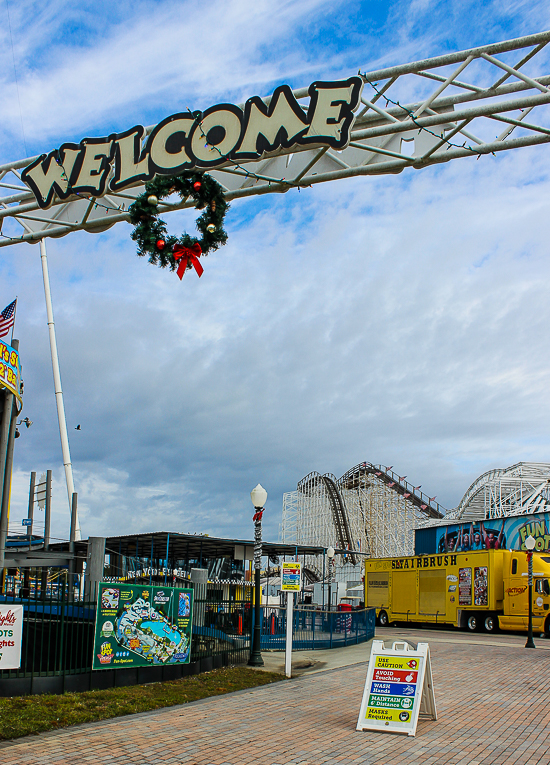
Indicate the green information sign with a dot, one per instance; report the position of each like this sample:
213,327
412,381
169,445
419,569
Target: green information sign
139,626
391,702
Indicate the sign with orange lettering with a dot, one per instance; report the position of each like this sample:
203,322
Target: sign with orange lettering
10,372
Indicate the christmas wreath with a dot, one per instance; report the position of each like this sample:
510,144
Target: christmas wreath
150,231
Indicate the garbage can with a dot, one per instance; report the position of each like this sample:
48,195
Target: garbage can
344,620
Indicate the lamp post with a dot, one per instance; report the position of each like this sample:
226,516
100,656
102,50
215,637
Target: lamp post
258,497
530,546
330,555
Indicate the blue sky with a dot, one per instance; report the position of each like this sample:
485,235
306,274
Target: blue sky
399,320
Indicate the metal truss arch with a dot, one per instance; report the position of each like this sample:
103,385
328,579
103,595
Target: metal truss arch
454,103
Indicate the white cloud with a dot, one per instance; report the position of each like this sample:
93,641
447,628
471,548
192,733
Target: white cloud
169,57
400,320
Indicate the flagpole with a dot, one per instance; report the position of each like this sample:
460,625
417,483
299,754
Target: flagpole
13,325
57,386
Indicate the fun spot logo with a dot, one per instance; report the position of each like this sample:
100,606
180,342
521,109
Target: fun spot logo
106,653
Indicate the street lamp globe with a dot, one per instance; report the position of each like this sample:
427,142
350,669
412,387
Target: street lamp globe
258,495
530,543
331,552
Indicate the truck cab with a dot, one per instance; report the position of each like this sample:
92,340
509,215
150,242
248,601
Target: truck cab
516,592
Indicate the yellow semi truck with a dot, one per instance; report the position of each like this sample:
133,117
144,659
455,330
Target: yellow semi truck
471,590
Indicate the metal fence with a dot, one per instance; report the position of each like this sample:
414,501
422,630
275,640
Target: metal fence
317,629
58,642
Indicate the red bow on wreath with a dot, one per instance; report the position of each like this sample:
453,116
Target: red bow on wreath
188,255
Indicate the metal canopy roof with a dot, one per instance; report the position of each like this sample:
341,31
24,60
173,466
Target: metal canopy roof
190,546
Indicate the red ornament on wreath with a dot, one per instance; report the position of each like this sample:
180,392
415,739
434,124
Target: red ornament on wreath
161,244
197,185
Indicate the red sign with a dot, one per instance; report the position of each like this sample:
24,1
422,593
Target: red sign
394,675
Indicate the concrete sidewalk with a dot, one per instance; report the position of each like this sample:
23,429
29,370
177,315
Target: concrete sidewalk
305,662
492,703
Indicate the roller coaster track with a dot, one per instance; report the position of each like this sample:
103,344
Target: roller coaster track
358,479
427,506
338,507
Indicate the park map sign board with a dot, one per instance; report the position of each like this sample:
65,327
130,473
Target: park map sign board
204,140
399,687
139,626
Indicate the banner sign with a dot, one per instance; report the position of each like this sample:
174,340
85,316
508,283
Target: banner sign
220,135
398,688
140,626
499,534
10,372
11,636
291,576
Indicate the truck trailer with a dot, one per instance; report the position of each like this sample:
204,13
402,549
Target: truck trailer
481,590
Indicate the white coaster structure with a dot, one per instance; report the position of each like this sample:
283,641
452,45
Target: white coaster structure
521,489
369,511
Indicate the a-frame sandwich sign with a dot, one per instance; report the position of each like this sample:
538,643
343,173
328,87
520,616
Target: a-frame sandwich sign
398,689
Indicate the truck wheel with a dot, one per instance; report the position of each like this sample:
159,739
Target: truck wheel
383,619
490,623
472,623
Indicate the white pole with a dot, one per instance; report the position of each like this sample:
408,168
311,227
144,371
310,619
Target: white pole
288,645
57,386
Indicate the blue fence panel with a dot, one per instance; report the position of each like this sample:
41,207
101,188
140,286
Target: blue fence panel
316,629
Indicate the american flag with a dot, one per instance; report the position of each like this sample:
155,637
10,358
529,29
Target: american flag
7,317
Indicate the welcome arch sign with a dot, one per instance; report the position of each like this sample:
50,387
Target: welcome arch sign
362,125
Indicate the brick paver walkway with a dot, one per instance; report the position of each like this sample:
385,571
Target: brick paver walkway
493,707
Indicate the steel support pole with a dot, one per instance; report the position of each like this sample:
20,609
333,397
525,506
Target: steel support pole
47,524
255,653
57,385
5,434
9,419
4,441
289,625
7,441
30,512
72,538
48,510
530,642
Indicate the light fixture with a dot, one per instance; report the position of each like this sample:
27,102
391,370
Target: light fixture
258,495
25,422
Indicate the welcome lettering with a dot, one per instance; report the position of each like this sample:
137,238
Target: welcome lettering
218,136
